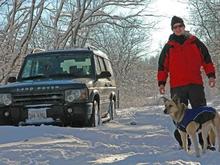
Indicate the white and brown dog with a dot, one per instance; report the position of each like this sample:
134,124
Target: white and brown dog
189,121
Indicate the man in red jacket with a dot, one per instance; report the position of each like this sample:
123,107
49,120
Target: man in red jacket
182,58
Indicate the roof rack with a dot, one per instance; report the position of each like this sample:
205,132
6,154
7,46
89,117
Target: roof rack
35,50
91,47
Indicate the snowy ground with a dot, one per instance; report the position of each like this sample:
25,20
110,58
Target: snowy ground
150,141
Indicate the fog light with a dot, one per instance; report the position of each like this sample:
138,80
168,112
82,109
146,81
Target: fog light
69,110
6,114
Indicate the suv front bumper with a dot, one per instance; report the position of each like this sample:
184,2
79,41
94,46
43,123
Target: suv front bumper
70,113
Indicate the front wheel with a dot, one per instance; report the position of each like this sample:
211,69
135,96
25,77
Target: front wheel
96,115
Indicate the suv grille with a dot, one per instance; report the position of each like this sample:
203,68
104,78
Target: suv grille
40,98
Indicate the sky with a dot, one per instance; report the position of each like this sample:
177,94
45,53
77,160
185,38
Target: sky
166,8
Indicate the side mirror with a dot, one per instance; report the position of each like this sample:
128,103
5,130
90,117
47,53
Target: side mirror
11,79
105,74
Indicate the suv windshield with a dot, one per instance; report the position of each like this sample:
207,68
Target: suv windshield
74,65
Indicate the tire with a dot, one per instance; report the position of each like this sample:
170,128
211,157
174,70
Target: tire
96,116
112,110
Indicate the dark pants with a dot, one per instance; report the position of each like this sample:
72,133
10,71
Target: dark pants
193,94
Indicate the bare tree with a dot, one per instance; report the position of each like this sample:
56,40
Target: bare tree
125,45
21,19
71,21
205,16
56,24
114,26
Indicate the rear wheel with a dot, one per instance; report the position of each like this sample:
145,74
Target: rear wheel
112,110
96,116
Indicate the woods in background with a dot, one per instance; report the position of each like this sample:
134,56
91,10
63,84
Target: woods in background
205,18
50,24
120,28
116,27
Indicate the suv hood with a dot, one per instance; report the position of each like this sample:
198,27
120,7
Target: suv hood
44,85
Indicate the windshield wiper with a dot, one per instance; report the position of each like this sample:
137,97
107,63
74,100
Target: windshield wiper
35,77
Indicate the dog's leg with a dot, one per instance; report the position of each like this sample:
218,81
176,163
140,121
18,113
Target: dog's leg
191,130
211,136
218,137
195,143
184,140
217,129
205,131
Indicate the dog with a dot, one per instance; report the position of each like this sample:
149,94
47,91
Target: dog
207,119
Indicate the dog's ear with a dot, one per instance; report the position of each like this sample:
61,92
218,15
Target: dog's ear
164,99
176,99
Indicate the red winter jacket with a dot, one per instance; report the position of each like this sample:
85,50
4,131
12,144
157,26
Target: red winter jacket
183,62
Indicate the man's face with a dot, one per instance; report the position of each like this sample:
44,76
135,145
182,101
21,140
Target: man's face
178,29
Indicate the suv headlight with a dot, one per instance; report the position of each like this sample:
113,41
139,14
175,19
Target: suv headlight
73,95
5,99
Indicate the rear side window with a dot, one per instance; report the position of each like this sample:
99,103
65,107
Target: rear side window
109,66
102,64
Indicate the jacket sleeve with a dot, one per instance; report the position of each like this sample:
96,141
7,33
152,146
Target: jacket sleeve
163,66
207,61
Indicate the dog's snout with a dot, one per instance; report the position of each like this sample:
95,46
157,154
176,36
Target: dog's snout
165,111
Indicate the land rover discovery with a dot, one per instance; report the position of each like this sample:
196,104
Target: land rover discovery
62,86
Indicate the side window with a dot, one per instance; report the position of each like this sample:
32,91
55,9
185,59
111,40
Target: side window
97,65
109,66
102,64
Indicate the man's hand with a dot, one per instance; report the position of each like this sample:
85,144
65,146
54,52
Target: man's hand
162,89
212,82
